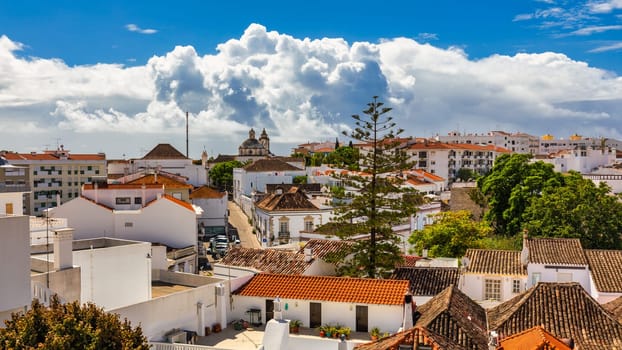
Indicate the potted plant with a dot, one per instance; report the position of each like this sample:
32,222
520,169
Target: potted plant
374,333
322,331
216,328
294,326
334,331
345,331
329,330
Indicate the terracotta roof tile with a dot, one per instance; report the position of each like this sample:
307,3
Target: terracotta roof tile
167,182
614,307
294,199
562,251
494,262
267,260
179,202
606,267
106,186
261,165
207,192
566,310
325,288
322,247
164,151
409,261
536,338
427,280
414,336
52,156
455,316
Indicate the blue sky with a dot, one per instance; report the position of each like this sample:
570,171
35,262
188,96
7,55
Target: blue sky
109,69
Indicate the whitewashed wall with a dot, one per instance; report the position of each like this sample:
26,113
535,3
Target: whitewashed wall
163,222
116,276
15,266
473,285
192,309
214,211
551,275
386,317
14,198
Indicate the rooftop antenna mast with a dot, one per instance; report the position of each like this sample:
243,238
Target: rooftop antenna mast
186,134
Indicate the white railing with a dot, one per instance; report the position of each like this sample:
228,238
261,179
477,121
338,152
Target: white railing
177,346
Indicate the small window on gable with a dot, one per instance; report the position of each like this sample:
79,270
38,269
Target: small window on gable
123,200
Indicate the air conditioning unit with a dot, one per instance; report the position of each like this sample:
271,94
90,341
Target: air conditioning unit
177,337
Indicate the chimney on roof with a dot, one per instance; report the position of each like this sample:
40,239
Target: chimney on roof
63,248
409,310
524,254
308,254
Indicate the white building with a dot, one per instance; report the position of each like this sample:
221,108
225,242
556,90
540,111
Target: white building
549,144
15,270
515,142
281,217
445,159
215,215
56,176
254,177
162,157
492,276
358,303
584,161
555,260
131,212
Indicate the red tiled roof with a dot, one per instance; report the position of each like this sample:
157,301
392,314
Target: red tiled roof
564,309
52,156
294,199
606,267
105,186
325,288
563,251
206,192
179,202
536,338
428,175
267,260
427,280
494,262
320,248
168,182
164,151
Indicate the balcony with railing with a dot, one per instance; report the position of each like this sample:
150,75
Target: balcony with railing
284,237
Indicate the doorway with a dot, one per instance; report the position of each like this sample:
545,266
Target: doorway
361,318
269,309
315,312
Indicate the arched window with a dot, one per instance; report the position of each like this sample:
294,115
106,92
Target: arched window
309,223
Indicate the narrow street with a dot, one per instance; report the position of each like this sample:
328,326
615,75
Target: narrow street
240,221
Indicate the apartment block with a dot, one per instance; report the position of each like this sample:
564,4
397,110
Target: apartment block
54,176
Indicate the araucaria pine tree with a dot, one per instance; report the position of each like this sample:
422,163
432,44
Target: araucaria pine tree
380,201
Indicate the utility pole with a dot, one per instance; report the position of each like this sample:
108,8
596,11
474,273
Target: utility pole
187,134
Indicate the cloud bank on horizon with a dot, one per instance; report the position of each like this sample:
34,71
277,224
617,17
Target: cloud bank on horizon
299,90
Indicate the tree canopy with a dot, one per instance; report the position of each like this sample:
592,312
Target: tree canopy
523,195
451,234
578,209
221,175
378,204
69,326
344,157
510,186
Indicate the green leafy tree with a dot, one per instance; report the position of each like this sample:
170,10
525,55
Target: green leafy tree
221,175
380,202
344,157
451,234
300,179
466,174
578,209
510,186
69,326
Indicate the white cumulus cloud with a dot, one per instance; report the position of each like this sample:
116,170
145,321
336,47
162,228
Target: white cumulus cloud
300,90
